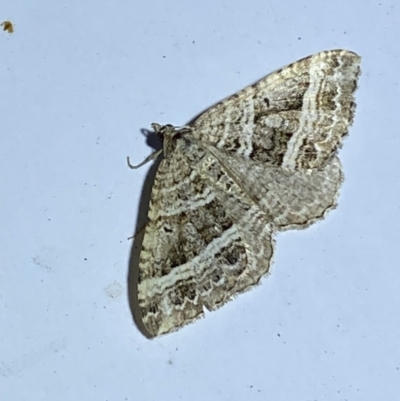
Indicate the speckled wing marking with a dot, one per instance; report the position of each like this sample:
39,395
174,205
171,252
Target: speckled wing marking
261,161
207,243
295,117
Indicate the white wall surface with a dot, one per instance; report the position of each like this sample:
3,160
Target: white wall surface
79,80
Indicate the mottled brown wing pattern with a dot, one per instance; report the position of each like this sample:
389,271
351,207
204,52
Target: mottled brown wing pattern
290,199
261,161
295,117
197,252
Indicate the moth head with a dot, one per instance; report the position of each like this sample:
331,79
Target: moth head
164,131
170,135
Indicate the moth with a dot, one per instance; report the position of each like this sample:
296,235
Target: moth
261,161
